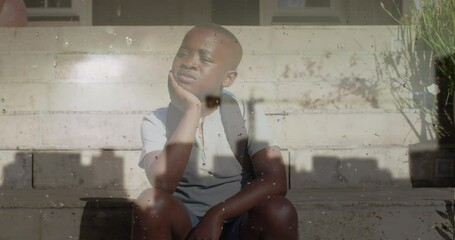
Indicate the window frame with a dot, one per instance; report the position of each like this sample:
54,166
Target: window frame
270,9
81,10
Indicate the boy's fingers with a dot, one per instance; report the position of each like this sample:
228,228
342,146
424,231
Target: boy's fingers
172,81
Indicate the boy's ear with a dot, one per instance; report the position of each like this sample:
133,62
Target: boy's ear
230,78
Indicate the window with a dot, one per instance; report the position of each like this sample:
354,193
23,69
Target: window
303,3
274,12
48,3
59,12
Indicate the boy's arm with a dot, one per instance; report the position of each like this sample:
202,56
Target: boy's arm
271,180
165,168
269,167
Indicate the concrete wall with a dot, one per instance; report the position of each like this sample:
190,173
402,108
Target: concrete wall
72,100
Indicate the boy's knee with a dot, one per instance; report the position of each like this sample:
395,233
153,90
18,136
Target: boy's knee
153,201
277,209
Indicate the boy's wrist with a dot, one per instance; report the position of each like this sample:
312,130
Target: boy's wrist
218,212
193,112
194,107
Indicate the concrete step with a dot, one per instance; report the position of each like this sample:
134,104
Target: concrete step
379,213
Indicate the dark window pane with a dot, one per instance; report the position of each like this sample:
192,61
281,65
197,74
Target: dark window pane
317,3
59,3
291,3
235,12
34,3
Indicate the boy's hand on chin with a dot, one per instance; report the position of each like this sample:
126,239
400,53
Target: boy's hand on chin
180,97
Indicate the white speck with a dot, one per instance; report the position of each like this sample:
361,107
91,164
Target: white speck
129,41
433,89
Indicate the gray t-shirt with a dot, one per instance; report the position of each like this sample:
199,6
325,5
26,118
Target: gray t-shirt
212,173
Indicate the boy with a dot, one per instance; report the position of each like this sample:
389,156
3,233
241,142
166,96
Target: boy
196,194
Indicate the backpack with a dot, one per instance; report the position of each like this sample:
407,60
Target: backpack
234,129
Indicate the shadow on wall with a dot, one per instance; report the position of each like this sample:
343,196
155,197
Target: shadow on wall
17,174
345,172
104,217
333,171
110,218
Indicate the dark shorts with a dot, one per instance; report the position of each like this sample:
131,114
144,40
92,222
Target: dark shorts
231,228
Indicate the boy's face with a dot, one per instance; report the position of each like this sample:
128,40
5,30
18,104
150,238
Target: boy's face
203,62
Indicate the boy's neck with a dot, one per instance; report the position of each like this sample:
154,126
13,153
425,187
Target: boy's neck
206,110
210,104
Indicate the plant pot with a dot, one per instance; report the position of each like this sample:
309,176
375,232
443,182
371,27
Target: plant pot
431,165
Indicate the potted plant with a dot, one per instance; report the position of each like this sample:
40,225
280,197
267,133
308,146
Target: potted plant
428,36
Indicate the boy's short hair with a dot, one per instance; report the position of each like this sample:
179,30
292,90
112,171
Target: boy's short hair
228,34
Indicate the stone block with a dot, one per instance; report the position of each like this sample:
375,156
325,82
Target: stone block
299,39
19,131
157,39
264,92
256,68
349,129
329,67
345,95
254,39
20,224
104,169
36,39
16,170
113,68
91,130
23,97
121,97
369,223
27,67
350,168
61,223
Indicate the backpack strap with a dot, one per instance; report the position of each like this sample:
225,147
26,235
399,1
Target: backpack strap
236,133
